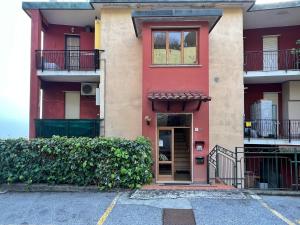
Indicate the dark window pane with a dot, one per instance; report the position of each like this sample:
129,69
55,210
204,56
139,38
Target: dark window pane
190,47
165,145
174,48
164,120
159,51
165,169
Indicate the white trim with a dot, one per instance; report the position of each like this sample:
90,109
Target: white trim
271,73
272,35
265,141
278,76
174,27
67,73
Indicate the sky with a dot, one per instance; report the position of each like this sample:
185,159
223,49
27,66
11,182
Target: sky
15,69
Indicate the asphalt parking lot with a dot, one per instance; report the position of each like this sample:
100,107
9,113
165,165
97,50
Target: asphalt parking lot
143,209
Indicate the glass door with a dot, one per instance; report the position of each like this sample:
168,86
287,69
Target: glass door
165,154
72,48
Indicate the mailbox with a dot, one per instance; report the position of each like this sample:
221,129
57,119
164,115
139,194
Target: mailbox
200,160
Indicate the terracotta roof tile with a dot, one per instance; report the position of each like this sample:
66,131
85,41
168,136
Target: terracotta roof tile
178,96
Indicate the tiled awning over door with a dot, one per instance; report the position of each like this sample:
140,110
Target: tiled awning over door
182,96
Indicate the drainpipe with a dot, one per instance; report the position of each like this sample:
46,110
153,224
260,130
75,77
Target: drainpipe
98,46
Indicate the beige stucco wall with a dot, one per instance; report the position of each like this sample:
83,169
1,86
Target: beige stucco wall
226,80
291,100
285,100
123,74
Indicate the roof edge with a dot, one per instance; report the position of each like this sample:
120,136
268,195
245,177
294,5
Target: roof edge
274,6
57,5
170,1
213,16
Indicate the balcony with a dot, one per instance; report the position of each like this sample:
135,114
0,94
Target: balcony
272,132
271,66
46,128
68,65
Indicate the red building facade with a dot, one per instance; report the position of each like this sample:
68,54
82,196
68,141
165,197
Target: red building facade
178,78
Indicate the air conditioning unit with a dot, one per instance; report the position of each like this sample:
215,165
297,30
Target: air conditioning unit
88,88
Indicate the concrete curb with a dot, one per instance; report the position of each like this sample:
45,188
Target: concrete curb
273,192
46,188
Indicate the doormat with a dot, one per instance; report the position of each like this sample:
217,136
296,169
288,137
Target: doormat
178,217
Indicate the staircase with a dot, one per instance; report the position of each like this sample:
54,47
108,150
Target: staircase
181,154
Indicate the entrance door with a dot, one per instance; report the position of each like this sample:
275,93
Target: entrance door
72,105
72,48
165,155
270,53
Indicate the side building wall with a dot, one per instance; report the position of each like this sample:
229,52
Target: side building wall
226,80
123,70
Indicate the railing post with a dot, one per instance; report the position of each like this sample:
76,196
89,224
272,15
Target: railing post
96,59
236,168
207,161
217,164
286,60
42,57
276,128
296,169
277,171
69,59
68,128
289,130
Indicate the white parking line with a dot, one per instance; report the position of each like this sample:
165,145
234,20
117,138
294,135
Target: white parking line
277,214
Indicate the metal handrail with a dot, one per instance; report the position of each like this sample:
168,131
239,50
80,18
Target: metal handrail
274,129
287,59
70,60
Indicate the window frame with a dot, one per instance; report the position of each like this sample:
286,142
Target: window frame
182,31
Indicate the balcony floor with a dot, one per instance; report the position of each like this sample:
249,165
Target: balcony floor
265,77
69,76
270,141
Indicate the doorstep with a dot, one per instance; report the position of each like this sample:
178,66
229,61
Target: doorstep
193,186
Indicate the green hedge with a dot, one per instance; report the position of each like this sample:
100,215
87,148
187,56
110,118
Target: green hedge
106,162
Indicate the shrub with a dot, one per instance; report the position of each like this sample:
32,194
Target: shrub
106,162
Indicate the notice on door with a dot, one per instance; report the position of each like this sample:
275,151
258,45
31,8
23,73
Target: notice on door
161,143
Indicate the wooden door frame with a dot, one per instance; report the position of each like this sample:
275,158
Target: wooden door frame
167,177
66,55
157,128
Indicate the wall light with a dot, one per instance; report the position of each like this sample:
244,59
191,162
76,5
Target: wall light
148,120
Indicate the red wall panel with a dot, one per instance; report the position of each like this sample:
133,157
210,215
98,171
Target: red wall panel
54,37
54,101
178,78
288,36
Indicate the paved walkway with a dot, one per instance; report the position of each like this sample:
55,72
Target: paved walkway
145,207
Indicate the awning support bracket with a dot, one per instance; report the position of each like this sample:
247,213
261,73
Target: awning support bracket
199,104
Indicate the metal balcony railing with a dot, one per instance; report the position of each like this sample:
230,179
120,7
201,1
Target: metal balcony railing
46,128
288,59
273,129
70,60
